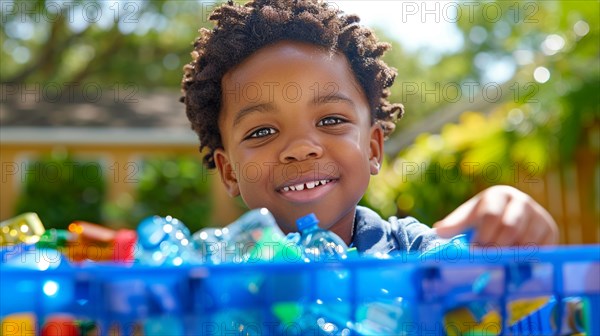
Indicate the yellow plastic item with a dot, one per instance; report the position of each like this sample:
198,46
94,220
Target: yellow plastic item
518,309
19,324
26,228
462,322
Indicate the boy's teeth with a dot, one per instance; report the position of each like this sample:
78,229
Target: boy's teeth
308,185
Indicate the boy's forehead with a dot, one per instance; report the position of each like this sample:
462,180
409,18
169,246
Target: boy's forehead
294,53
289,66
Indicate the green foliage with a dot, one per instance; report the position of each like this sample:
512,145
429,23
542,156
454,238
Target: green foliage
176,186
440,171
61,189
145,43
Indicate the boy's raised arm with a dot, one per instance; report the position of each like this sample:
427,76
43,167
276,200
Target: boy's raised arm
501,215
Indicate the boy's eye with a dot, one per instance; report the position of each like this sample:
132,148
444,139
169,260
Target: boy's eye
328,121
261,132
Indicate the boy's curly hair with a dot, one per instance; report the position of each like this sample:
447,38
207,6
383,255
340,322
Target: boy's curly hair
242,30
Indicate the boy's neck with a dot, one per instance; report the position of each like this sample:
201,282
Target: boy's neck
344,229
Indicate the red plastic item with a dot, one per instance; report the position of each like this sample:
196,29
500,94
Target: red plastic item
99,243
124,246
60,325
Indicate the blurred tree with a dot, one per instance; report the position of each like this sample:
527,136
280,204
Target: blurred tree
62,189
105,42
169,186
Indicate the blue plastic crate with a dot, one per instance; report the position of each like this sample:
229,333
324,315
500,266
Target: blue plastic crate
404,295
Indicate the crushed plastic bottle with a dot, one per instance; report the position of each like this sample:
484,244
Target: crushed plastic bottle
29,256
164,241
255,236
26,228
248,234
55,238
293,238
163,325
319,244
209,243
85,241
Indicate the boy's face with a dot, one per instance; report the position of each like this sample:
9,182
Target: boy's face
297,136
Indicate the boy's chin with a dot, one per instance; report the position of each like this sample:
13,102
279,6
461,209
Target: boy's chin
289,225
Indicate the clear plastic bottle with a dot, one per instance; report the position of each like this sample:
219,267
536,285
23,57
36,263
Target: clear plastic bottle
164,241
319,244
209,243
252,237
327,314
255,236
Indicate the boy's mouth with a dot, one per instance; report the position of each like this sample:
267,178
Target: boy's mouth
307,191
307,185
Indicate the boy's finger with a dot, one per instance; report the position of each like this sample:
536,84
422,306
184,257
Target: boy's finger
483,212
490,211
514,222
550,238
489,228
534,234
458,220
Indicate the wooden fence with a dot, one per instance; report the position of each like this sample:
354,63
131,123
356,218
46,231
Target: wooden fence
572,195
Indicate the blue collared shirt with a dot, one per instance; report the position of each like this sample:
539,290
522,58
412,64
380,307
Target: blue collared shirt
372,234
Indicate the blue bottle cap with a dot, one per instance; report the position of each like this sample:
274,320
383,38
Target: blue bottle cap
307,222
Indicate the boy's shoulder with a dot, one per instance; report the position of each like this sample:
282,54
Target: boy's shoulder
373,234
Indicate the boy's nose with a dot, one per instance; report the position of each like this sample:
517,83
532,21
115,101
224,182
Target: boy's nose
301,150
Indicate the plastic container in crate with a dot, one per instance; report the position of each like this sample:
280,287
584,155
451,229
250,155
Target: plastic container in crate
512,291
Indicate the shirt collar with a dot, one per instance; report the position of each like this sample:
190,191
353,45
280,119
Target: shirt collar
371,234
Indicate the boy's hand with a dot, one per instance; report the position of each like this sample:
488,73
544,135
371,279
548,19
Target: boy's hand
501,215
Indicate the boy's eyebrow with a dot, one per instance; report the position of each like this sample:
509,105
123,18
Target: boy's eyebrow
263,107
332,98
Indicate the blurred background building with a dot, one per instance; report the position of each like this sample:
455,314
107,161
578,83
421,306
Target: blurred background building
495,93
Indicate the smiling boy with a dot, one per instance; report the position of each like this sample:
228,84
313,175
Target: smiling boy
290,99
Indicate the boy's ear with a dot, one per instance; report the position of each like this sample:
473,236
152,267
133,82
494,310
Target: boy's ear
226,172
375,149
